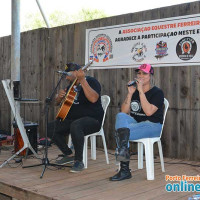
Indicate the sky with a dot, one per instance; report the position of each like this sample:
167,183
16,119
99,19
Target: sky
110,7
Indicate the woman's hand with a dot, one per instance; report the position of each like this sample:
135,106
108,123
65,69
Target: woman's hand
131,89
139,85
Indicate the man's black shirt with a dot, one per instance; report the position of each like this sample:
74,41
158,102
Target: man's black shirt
82,107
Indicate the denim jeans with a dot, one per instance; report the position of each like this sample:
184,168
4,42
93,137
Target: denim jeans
138,130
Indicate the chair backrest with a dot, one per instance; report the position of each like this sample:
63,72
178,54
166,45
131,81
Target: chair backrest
105,100
166,103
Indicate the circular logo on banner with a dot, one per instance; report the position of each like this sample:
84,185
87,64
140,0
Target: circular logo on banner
139,50
100,48
186,48
135,106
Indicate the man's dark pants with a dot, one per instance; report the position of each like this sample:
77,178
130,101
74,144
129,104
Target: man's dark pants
58,130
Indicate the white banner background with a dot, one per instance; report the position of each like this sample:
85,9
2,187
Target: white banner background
165,42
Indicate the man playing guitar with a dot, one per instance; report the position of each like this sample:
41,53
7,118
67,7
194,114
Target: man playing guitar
84,117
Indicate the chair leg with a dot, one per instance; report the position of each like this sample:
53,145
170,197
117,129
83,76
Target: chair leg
140,155
161,156
149,159
85,151
105,148
93,147
69,141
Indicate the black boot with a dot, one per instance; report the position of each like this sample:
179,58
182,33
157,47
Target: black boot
124,172
122,138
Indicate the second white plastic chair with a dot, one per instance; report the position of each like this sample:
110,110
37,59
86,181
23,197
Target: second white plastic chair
105,102
149,154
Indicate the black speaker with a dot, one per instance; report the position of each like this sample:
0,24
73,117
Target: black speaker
31,131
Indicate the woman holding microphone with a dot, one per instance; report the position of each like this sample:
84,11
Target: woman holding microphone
141,116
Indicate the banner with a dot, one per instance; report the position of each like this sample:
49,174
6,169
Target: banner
164,42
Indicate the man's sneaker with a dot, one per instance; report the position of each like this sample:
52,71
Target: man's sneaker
66,159
77,167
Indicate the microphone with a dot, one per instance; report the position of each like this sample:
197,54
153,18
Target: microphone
63,72
132,83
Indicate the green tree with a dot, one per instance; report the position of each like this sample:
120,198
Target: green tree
33,21
87,15
59,18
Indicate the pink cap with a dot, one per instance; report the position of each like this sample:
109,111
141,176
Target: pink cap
147,68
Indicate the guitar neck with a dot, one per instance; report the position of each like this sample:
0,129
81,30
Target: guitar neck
87,65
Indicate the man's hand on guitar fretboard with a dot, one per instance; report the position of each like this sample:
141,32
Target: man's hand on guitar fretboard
80,75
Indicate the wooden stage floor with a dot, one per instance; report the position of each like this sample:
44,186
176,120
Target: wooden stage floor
92,183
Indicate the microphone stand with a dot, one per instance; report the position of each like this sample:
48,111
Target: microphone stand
45,160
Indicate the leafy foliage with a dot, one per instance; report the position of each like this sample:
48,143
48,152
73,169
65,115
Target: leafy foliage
59,18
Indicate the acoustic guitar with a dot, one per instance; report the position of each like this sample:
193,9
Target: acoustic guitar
69,98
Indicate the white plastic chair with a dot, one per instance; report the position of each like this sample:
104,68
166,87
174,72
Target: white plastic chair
105,102
148,145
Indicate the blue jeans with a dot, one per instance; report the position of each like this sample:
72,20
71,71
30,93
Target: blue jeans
138,130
